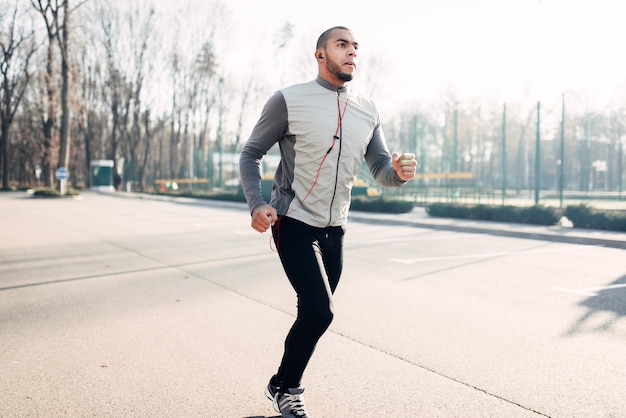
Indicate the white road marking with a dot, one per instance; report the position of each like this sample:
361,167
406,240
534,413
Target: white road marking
455,257
483,255
588,291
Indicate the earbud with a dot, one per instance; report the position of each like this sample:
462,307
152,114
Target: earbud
320,57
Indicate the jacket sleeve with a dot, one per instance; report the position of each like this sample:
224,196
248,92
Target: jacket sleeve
269,129
378,159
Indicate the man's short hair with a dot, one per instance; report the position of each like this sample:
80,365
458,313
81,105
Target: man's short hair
321,41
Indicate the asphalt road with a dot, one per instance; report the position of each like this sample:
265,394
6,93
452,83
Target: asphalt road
126,307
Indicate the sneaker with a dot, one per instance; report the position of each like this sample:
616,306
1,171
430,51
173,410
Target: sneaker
291,403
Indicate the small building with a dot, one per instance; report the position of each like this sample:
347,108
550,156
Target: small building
101,176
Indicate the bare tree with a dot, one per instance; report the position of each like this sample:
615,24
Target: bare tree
175,118
140,25
206,70
245,98
56,15
63,34
194,79
49,115
17,48
125,38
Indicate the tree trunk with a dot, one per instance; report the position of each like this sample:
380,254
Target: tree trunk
4,140
48,123
64,148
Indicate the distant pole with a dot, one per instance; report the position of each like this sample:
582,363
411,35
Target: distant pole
414,137
456,139
620,162
538,155
415,141
455,150
504,173
562,159
422,160
587,180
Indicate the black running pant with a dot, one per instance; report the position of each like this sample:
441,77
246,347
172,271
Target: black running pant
312,259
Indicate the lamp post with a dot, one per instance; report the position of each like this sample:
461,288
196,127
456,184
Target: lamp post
587,182
562,159
538,155
620,164
504,173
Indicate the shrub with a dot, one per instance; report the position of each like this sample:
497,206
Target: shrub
447,210
505,213
581,215
46,192
381,205
584,216
52,192
540,215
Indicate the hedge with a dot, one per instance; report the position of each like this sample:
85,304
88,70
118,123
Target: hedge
582,216
380,205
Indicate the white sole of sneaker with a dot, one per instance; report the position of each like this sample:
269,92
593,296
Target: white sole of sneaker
272,398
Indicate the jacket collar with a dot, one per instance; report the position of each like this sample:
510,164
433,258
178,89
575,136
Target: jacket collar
328,85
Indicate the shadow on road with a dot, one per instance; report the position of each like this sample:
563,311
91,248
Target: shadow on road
604,309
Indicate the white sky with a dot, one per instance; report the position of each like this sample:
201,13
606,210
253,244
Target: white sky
503,49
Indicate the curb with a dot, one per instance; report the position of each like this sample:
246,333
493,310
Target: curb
497,229
541,233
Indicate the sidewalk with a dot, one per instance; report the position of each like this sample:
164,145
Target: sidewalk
420,219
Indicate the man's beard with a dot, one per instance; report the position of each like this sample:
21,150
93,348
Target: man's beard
344,76
334,70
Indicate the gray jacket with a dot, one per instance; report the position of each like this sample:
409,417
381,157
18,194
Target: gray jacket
322,144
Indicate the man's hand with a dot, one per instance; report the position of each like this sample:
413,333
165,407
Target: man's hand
404,164
263,217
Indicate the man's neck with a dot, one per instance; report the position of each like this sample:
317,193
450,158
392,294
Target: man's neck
335,85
